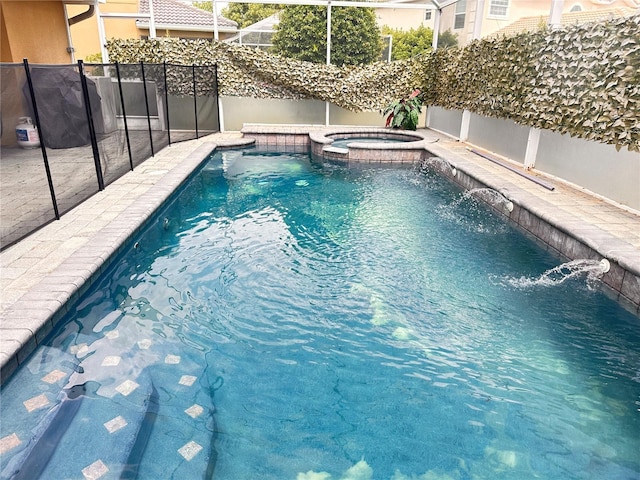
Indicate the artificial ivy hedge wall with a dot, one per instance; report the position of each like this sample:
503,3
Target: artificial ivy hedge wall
247,72
583,80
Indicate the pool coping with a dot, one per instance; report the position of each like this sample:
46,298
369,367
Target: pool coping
25,323
409,151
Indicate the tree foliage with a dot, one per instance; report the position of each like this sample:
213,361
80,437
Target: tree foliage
447,39
302,32
408,44
245,14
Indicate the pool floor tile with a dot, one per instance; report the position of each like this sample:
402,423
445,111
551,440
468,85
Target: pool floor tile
126,387
190,450
9,442
79,350
172,359
187,380
112,335
194,411
36,402
115,424
94,471
54,376
111,361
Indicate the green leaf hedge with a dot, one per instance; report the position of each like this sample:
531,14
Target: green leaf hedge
583,80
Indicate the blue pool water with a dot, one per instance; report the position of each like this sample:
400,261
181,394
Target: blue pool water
287,320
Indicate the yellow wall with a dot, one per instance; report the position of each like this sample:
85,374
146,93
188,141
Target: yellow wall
84,35
517,9
35,30
403,19
86,40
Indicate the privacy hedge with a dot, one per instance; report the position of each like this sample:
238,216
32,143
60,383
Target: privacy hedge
583,80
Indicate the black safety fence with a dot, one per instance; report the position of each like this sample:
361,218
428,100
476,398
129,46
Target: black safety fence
68,131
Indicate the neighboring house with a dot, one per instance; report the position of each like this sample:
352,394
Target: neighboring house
498,14
531,24
259,34
172,18
37,30
406,19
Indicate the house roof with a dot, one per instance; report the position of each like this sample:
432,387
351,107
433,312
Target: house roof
531,24
176,14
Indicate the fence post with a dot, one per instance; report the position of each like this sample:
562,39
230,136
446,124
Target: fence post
42,144
195,99
166,99
124,115
464,125
218,104
146,104
92,131
531,153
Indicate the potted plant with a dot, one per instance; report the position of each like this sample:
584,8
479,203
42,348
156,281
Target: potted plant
404,113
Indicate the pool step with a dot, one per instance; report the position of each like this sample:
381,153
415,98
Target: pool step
38,457
142,433
335,154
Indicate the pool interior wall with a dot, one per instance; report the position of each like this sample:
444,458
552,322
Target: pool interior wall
566,235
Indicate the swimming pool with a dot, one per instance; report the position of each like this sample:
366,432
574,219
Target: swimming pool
282,319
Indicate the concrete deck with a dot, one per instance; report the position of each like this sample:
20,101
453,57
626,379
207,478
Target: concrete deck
41,274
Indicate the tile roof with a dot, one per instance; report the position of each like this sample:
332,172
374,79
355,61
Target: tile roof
530,24
175,12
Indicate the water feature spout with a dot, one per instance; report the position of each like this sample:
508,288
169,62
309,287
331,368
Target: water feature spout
492,197
443,164
593,269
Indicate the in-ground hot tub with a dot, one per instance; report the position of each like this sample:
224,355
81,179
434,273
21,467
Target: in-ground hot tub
371,145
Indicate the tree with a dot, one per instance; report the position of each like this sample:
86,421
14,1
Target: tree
244,14
447,39
407,44
302,34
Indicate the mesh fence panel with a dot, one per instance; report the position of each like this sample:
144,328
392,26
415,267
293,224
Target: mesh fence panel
154,76
181,103
206,99
25,199
97,121
135,107
111,136
65,131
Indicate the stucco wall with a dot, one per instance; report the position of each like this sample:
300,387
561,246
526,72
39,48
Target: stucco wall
239,110
595,166
499,135
34,30
84,35
403,19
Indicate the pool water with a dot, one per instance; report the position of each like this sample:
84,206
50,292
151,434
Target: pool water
282,319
